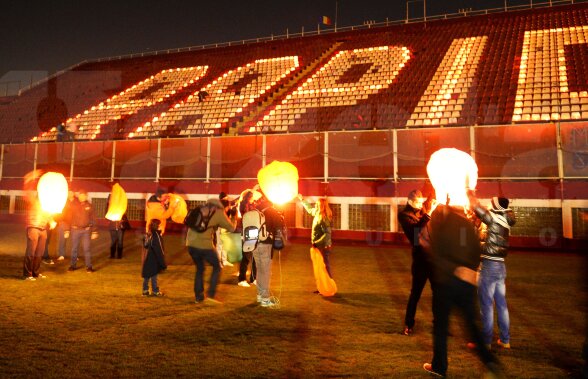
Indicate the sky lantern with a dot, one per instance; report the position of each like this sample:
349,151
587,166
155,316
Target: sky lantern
117,205
452,172
279,181
52,189
181,209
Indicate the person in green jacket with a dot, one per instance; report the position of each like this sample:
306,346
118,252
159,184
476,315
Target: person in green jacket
201,248
321,227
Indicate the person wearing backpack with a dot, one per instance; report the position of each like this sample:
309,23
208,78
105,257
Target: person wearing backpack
246,203
153,259
201,247
262,254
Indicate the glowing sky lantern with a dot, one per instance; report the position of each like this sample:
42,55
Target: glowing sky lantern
181,209
452,172
279,181
52,189
117,206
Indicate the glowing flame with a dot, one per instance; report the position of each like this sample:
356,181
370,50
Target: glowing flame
279,181
117,205
52,189
452,172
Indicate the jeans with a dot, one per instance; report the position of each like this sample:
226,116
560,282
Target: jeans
210,256
80,236
263,256
154,287
61,228
492,290
116,242
326,252
421,272
446,296
35,246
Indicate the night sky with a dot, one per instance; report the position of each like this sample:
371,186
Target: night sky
39,38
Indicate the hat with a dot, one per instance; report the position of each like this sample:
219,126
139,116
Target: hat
500,203
222,195
414,195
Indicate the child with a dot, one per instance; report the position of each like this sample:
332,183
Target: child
153,258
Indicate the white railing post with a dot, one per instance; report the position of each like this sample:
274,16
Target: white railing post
158,160
112,163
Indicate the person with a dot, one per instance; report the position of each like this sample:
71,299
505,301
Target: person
229,209
156,208
117,233
455,249
491,282
412,219
201,249
320,237
82,230
46,258
63,225
262,254
36,230
247,203
153,259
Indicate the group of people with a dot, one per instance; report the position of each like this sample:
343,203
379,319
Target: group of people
76,222
461,251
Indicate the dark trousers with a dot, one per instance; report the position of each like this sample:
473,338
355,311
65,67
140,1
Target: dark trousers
116,242
46,250
36,239
461,295
247,257
421,272
326,252
210,256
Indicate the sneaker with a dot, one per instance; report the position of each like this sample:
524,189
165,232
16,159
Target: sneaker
145,293
243,283
227,264
158,293
89,270
407,331
212,301
259,298
71,268
429,368
60,258
267,302
254,282
503,345
48,261
41,276
29,278
472,346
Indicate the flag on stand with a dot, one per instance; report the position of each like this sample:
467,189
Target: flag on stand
326,20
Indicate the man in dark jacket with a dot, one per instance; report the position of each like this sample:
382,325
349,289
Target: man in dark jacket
82,224
492,288
456,254
412,219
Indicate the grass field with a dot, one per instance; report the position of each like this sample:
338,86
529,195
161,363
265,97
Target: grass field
74,324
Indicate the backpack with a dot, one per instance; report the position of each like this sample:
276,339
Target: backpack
254,229
198,218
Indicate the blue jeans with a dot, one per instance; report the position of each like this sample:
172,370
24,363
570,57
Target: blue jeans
210,256
154,287
61,228
492,290
80,236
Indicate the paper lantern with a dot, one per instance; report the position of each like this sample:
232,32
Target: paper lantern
452,172
324,283
117,206
181,209
279,181
52,189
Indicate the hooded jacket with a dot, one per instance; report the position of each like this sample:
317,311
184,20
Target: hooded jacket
495,245
205,239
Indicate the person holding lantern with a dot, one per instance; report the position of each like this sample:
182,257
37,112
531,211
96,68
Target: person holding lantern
82,230
246,203
38,221
117,233
321,228
156,207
